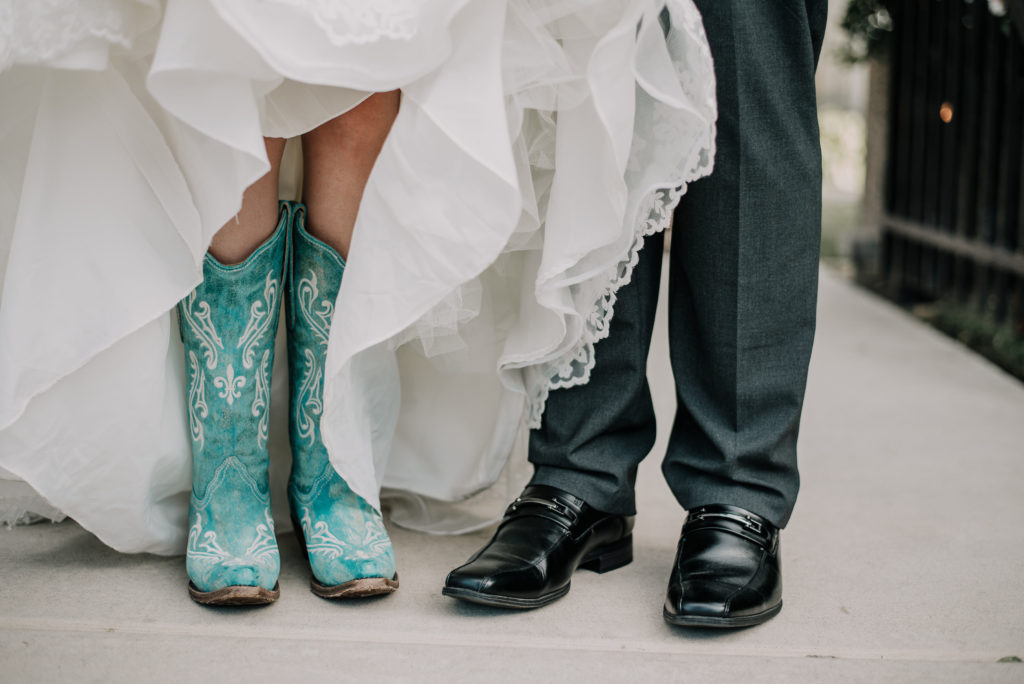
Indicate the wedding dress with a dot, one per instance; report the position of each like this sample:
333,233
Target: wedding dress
537,144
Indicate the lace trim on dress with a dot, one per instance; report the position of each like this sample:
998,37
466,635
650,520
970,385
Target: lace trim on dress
654,215
41,31
361,21
575,366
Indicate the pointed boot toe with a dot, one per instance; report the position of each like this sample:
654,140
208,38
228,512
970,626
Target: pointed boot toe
239,586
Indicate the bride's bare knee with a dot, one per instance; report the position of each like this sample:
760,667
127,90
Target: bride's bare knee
360,132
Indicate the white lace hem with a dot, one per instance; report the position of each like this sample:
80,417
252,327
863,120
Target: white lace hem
579,362
654,215
71,33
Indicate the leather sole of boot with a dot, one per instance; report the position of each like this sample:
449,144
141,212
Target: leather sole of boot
364,587
235,596
722,622
601,560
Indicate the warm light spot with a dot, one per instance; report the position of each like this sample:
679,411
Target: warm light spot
946,112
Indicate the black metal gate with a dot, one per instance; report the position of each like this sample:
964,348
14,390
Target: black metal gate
953,225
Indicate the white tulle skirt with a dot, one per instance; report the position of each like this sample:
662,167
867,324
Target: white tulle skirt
536,145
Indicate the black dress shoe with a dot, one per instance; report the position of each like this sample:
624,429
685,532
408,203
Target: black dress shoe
727,570
546,534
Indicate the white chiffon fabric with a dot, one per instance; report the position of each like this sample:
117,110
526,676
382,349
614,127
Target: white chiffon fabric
538,142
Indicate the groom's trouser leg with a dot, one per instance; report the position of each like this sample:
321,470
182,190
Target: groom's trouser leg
744,288
594,436
744,265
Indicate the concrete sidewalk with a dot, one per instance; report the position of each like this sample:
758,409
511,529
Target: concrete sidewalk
904,561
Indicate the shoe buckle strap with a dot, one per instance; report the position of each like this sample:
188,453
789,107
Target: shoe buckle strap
747,522
552,505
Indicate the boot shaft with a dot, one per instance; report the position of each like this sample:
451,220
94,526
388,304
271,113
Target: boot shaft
228,325
344,536
314,279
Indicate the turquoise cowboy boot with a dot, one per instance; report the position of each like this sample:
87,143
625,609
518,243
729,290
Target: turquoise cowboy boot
349,550
228,326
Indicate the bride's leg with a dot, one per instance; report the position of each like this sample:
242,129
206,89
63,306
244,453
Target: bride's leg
257,219
349,550
337,159
228,326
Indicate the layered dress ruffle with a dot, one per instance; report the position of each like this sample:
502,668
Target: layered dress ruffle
537,144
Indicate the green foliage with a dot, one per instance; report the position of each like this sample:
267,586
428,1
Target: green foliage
838,224
1001,344
867,24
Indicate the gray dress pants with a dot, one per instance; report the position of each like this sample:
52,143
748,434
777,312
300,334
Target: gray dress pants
743,290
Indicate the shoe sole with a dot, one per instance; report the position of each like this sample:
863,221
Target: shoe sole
238,595
363,587
499,601
601,560
721,622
